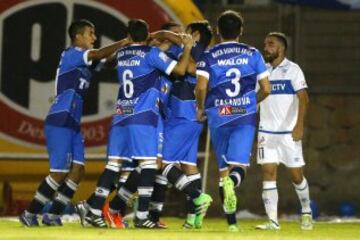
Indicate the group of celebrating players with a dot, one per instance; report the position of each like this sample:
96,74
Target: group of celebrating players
170,82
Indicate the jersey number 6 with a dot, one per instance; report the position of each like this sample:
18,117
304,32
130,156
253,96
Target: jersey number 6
128,84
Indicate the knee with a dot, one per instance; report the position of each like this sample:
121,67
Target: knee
189,169
297,179
77,173
59,177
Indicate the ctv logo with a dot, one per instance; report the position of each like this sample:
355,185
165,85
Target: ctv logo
32,36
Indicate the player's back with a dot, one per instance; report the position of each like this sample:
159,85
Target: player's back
232,69
71,83
182,102
139,70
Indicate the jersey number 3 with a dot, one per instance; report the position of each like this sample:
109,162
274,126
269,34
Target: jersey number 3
235,74
128,84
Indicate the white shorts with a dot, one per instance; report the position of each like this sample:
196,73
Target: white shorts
279,148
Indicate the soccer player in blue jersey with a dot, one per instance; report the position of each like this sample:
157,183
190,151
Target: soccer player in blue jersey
182,130
64,140
134,134
227,76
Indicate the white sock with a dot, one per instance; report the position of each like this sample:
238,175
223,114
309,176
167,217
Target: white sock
302,190
270,198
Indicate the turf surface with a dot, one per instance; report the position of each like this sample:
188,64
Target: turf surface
214,229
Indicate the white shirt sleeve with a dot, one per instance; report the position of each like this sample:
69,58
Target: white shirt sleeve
86,59
298,80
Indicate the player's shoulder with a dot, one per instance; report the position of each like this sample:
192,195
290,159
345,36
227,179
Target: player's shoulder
291,65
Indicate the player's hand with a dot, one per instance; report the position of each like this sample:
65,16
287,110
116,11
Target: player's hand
200,114
298,132
187,40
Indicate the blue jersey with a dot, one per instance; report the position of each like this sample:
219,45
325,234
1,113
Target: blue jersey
182,102
72,80
139,71
233,70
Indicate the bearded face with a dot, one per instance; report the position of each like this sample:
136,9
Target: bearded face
270,56
271,49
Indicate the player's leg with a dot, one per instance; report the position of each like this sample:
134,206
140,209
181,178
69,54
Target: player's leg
220,140
161,182
194,177
67,190
268,157
115,209
60,153
158,199
116,153
294,161
144,145
238,157
179,141
189,167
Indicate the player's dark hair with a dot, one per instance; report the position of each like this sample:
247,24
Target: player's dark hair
229,24
281,37
138,30
78,26
169,25
205,30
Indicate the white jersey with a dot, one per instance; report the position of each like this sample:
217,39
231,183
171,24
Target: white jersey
279,111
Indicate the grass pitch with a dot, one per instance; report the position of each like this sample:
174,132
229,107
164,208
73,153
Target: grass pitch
214,229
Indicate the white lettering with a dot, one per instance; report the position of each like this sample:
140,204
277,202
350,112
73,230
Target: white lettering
238,61
232,102
128,63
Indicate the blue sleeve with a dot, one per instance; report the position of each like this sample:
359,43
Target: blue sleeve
79,58
159,60
175,51
203,67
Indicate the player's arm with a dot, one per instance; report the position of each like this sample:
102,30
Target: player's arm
97,54
264,90
200,96
167,35
181,66
298,131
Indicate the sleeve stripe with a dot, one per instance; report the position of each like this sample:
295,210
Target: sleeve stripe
203,73
86,59
262,75
171,67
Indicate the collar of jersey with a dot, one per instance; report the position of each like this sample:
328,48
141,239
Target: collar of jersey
230,42
284,62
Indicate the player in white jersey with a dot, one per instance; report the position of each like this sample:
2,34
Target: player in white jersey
281,130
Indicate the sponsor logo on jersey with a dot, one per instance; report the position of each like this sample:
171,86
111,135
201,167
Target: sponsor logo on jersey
230,110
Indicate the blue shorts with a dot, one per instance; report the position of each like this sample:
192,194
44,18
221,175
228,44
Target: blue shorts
133,142
181,138
233,145
118,143
65,146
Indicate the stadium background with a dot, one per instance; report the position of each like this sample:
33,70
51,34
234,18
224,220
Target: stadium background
324,39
